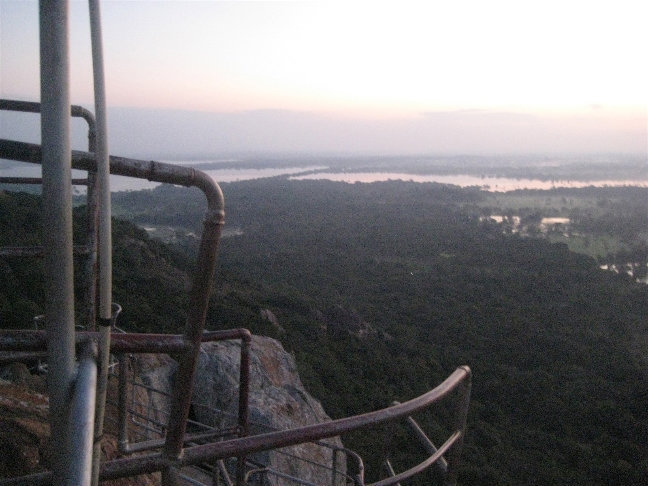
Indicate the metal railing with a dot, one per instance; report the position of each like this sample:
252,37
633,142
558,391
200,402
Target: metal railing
146,418
212,452
73,387
174,455
89,249
189,343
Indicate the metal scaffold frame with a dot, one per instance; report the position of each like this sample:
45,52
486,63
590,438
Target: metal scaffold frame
78,361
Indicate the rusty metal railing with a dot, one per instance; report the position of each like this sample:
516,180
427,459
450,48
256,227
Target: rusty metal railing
176,453
147,418
202,282
127,446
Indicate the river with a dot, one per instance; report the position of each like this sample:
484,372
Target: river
493,184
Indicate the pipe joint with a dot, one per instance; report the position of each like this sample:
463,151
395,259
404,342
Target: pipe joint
215,216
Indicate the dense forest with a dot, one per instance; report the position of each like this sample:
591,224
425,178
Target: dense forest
380,291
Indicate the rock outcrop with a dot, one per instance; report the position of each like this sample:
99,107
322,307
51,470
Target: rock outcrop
277,401
25,430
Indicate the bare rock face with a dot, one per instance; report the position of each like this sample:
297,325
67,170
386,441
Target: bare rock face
152,373
277,401
24,431
269,316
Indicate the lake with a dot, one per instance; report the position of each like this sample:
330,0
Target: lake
494,184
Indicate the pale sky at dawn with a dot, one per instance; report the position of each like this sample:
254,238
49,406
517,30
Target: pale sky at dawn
403,76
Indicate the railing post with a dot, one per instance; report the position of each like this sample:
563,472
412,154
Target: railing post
83,412
461,415
57,225
390,470
425,441
122,403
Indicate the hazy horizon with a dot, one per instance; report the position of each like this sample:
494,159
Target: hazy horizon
353,77
184,133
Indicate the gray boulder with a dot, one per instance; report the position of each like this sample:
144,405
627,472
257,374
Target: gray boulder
277,401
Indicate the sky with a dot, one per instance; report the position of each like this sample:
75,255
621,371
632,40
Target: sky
354,77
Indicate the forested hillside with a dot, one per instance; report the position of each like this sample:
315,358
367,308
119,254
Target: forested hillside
380,291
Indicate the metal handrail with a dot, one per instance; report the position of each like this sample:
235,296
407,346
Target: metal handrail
174,456
35,107
203,278
90,269
247,445
459,379
244,387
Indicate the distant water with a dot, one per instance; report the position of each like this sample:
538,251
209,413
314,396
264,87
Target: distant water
495,184
121,183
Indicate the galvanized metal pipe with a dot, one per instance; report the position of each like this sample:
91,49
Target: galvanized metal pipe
105,231
90,264
37,251
103,166
143,169
57,224
37,181
82,409
122,404
35,107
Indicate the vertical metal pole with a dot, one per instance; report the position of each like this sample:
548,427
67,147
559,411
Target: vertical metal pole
83,412
103,167
198,302
105,238
57,224
390,470
123,402
92,231
90,264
